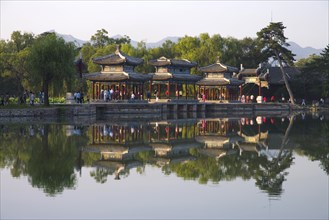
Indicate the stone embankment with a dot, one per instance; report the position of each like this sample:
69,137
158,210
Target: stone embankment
148,109
52,111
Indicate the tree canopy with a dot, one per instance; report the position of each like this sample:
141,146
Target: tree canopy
29,62
51,62
273,42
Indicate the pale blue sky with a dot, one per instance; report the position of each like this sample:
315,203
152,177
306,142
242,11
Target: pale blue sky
306,21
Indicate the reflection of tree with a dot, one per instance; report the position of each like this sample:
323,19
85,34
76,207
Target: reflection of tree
100,174
42,152
14,150
52,161
271,174
313,138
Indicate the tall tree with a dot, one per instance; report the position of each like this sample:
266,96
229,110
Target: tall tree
13,61
51,62
100,39
274,44
324,63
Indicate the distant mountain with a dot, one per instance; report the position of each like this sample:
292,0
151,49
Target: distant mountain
160,42
150,45
70,38
301,52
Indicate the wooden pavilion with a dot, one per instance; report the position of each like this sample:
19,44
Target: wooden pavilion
219,82
170,77
253,76
117,73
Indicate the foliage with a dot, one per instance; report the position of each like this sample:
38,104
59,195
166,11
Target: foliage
18,72
101,39
273,42
51,63
42,152
13,63
313,82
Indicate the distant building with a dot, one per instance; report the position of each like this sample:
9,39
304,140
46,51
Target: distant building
117,73
276,83
269,81
219,82
252,77
169,77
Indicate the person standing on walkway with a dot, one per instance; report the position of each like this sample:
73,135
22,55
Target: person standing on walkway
32,98
148,95
303,102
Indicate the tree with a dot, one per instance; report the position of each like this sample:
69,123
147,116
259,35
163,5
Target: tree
314,78
100,39
13,62
51,62
324,68
274,44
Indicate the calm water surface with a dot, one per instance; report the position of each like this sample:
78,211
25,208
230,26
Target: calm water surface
210,168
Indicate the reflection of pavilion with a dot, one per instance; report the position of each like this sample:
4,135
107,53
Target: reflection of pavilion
217,137
253,142
117,168
118,144
253,137
167,142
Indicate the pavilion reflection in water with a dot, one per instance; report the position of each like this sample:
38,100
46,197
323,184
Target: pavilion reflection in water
123,146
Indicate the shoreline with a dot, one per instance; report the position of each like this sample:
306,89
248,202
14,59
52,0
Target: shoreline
154,109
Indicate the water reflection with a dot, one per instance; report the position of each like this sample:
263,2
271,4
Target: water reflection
206,150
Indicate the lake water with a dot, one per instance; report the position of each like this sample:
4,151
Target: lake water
209,168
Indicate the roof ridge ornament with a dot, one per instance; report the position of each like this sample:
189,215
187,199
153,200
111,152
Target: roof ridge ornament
187,60
217,59
163,58
117,52
117,49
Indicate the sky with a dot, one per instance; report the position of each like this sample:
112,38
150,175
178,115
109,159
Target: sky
306,22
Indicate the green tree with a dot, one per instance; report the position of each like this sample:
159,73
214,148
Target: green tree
13,62
309,84
274,44
51,62
324,68
250,53
100,39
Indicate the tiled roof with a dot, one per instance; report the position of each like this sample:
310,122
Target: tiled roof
218,68
118,57
163,61
117,76
186,77
161,76
249,71
175,77
222,81
275,74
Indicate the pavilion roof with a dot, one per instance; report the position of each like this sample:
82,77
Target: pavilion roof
275,75
117,76
163,61
220,81
175,77
250,71
116,58
218,68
